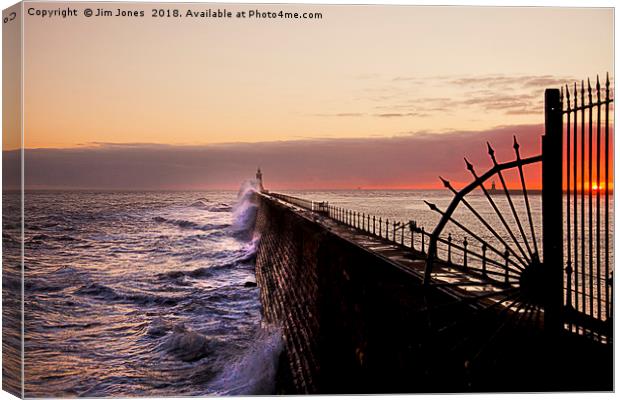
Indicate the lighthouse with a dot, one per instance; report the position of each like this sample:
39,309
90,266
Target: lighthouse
259,180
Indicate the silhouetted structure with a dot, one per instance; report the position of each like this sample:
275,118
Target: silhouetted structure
259,180
529,297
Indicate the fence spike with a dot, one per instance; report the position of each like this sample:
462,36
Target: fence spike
490,149
431,206
491,153
445,182
582,88
575,94
515,144
589,91
470,167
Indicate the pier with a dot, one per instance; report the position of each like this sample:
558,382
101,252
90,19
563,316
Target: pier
369,305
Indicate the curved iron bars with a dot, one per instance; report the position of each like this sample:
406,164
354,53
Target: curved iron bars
517,301
520,252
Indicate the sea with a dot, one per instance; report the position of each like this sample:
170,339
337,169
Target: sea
154,293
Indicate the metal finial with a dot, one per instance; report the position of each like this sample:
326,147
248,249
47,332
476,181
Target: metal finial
515,144
582,88
491,153
607,88
575,92
589,90
445,182
470,167
431,205
490,149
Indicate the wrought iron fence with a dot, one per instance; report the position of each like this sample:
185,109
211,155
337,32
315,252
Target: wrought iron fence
588,184
508,247
560,259
316,206
405,234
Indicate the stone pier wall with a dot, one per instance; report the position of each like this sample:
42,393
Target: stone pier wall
346,314
355,322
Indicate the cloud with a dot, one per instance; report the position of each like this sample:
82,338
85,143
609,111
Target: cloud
409,114
517,81
510,95
344,114
410,160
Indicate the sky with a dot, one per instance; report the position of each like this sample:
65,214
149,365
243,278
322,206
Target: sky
366,96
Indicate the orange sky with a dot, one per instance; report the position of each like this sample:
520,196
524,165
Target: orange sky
360,71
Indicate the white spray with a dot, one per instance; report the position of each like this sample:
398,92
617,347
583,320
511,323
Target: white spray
254,372
244,211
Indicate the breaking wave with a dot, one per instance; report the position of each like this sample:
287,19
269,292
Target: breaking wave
254,371
203,204
244,211
159,283
185,344
181,223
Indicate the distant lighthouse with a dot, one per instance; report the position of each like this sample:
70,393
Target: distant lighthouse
259,180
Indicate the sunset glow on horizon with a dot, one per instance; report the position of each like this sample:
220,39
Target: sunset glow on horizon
373,75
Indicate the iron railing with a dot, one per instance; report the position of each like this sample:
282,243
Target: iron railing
570,273
588,267
316,206
405,234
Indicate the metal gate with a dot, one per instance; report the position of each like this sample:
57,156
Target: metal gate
571,279
588,209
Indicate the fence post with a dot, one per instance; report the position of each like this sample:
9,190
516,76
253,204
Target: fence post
465,253
484,260
449,248
422,233
552,206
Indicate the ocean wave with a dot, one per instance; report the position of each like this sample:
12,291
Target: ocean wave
185,224
59,279
202,272
203,205
200,203
104,292
244,211
184,344
254,371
